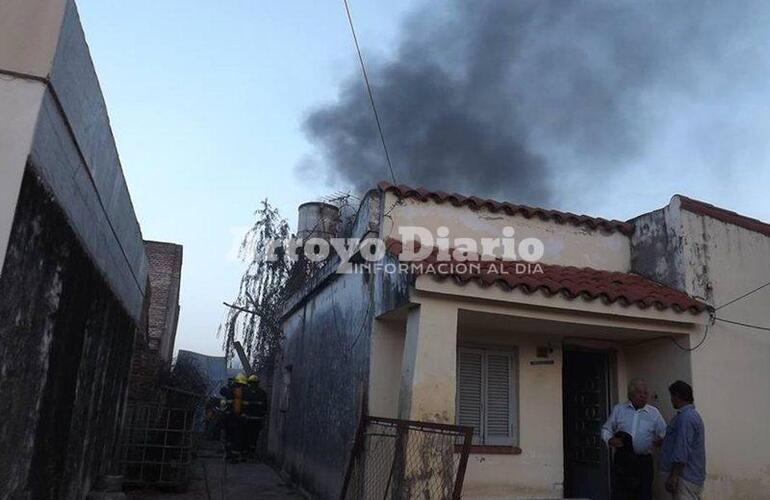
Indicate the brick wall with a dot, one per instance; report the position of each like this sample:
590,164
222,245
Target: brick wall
154,346
165,268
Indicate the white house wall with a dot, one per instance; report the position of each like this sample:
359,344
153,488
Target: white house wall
732,368
719,262
565,244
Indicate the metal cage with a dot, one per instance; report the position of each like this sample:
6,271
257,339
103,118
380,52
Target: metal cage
157,446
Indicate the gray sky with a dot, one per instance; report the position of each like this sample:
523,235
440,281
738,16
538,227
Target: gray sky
591,109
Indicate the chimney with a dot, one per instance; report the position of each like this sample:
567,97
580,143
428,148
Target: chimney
317,220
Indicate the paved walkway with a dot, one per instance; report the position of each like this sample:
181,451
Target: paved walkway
213,480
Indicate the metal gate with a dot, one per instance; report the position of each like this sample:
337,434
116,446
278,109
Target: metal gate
157,444
403,460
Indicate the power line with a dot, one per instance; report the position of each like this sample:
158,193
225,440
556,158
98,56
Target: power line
743,296
369,91
747,325
690,349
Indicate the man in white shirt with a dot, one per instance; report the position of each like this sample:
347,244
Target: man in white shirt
646,426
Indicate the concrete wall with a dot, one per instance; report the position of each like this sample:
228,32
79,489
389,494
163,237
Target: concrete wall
49,83
74,152
565,244
29,32
74,271
65,349
720,262
326,347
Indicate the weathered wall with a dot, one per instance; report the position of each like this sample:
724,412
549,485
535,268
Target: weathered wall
733,364
74,152
29,32
565,244
65,349
74,274
326,346
720,261
656,248
165,270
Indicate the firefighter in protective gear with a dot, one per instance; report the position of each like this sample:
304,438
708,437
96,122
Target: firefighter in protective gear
254,413
235,395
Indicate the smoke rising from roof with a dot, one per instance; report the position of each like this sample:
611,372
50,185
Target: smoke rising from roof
526,99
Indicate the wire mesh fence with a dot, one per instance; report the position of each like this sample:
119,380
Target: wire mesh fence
401,460
157,445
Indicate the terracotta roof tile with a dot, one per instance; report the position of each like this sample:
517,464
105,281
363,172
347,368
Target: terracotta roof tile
475,203
730,217
567,281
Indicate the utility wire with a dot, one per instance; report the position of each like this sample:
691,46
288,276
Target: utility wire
369,91
743,296
747,325
690,349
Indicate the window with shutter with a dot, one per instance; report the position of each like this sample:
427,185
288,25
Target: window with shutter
487,395
470,391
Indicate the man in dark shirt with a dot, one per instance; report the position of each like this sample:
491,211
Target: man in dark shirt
684,448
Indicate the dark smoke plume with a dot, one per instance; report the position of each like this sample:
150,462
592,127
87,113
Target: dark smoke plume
527,99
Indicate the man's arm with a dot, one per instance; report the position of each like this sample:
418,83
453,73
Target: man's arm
608,429
660,429
684,438
680,455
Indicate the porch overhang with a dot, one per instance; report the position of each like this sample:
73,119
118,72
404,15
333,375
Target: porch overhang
473,296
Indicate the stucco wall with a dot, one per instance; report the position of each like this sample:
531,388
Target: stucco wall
731,369
539,470
387,351
720,262
565,244
326,346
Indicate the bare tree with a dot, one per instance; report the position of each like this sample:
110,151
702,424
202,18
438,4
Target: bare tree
254,316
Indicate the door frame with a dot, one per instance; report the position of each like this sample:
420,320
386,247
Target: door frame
612,397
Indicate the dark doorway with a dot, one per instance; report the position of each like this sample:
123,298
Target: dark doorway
586,405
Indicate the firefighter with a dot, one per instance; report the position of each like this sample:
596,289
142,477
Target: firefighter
255,411
234,395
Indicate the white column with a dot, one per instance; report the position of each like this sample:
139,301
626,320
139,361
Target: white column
387,353
428,374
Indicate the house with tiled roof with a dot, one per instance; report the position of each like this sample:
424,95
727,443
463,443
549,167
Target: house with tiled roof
526,324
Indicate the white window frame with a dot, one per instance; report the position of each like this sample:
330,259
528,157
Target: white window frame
482,438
